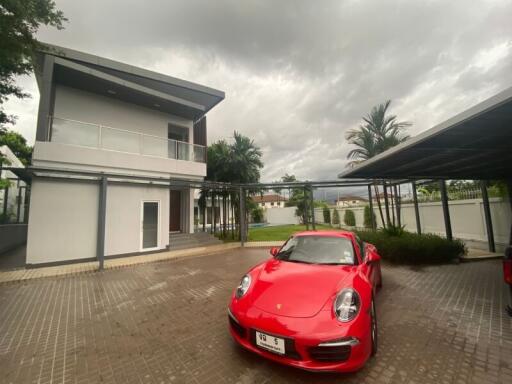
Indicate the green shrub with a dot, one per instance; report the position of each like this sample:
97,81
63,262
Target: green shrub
349,218
368,217
394,230
335,217
327,215
257,215
411,248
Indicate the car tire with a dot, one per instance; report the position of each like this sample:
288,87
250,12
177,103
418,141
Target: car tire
373,328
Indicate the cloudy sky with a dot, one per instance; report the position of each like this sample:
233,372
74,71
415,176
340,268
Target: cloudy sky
298,74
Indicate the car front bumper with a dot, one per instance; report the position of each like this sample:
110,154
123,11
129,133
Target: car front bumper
318,343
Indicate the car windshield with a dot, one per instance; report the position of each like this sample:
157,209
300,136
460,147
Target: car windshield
318,250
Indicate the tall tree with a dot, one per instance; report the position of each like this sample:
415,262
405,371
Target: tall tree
378,132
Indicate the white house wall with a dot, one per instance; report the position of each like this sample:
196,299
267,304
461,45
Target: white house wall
75,104
123,219
63,221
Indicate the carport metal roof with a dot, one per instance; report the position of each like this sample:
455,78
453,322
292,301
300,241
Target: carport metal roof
475,144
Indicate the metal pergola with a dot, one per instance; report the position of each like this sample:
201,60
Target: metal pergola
104,179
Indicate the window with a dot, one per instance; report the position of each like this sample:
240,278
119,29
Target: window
318,250
150,224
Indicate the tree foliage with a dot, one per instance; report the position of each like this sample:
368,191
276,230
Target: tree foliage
19,22
17,144
378,132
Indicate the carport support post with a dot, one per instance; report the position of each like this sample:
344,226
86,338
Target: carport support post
312,202
306,213
370,202
386,202
446,210
242,216
397,206
102,210
416,208
488,218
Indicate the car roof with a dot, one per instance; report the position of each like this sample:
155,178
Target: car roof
327,233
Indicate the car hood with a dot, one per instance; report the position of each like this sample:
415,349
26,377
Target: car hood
297,289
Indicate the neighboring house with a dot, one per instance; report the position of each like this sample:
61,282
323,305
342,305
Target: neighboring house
12,199
98,115
350,201
269,201
382,197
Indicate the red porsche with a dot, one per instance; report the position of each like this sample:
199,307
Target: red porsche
312,305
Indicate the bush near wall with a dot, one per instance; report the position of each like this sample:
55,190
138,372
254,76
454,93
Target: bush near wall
327,215
411,248
335,217
349,218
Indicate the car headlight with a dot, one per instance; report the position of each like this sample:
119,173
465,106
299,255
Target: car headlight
243,287
346,305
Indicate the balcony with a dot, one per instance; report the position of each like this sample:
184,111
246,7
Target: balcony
72,132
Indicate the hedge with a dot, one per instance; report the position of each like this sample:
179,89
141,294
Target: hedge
327,215
335,217
411,248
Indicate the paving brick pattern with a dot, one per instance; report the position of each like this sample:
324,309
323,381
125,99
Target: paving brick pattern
166,322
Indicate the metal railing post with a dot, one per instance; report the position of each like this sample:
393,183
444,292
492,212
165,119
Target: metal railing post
416,208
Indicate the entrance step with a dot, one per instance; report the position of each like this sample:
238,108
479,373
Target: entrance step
191,240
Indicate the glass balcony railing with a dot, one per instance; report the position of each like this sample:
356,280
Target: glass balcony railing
74,132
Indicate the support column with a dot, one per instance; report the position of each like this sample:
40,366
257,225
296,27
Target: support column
446,210
370,202
312,201
386,203
488,218
102,213
397,206
242,217
306,206
509,187
416,208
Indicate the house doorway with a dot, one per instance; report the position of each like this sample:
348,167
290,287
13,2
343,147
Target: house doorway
175,211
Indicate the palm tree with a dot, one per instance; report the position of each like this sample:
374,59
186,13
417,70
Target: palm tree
378,132
239,162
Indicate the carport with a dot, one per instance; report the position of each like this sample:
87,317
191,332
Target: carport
473,145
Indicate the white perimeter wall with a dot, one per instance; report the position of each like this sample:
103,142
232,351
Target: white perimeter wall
63,220
278,216
467,217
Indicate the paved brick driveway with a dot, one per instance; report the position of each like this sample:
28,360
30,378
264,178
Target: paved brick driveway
166,322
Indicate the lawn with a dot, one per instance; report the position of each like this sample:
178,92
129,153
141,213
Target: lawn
279,232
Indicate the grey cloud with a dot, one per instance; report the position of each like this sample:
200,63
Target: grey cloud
298,74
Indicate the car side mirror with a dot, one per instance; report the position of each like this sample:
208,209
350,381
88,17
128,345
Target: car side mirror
274,251
372,257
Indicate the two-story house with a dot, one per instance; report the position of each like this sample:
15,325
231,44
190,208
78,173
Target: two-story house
100,116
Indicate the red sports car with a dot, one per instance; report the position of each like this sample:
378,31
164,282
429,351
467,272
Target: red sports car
312,305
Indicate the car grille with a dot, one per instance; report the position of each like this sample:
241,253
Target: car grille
289,346
239,330
338,353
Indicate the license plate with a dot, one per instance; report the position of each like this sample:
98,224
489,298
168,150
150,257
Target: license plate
274,344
